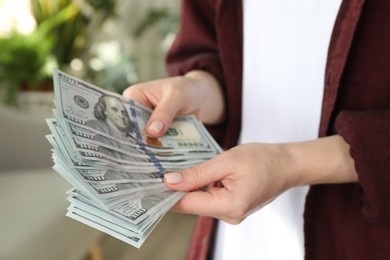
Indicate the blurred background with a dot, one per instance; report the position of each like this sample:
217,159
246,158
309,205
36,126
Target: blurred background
110,43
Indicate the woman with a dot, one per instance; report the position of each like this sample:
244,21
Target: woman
333,136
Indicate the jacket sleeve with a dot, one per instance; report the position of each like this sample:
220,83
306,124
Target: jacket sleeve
196,48
368,134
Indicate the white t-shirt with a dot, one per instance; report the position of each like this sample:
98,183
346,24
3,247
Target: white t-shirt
285,50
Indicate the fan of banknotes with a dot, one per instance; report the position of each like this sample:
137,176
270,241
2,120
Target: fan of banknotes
116,170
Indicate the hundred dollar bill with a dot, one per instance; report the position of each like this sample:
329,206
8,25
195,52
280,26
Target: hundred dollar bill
109,227
100,174
103,191
90,158
111,115
135,211
112,159
85,179
133,234
85,150
83,135
80,200
108,190
109,195
93,154
80,131
109,176
101,149
105,176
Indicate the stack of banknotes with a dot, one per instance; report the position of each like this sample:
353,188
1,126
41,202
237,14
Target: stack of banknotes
116,170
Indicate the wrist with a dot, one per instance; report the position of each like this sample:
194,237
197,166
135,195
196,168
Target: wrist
212,107
321,161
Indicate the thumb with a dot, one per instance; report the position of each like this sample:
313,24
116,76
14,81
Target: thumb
192,178
162,117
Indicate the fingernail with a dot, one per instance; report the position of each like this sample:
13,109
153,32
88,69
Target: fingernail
156,126
173,177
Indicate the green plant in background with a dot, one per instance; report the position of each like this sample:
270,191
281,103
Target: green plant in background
27,61
24,60
72,37
64,34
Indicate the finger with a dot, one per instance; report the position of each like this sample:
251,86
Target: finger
164,107
196,177
217,203
203,203
136,92
162,117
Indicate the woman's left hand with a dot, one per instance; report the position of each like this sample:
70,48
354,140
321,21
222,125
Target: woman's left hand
250,178
254,174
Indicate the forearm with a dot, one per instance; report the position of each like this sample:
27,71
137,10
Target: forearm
321,161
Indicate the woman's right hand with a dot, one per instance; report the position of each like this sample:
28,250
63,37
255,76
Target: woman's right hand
197,93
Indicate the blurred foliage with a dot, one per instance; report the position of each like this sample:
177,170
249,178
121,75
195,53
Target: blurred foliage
27,61
72,35
166,21
118,70
110,67
104,6
64,34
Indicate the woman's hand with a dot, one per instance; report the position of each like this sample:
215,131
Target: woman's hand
254,174
196,93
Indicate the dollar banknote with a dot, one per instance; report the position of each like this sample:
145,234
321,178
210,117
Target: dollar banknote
87,151
100,147
134,235
85,105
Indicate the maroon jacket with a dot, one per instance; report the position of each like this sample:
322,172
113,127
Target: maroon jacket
346,221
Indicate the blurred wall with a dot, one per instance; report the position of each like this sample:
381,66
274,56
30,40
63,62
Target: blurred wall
22,140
